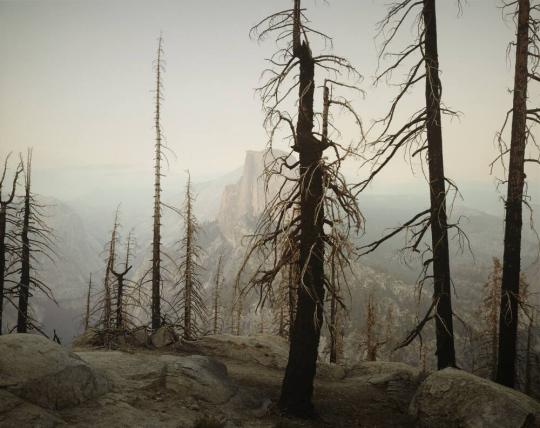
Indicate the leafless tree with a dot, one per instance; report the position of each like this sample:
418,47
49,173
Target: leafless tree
6,218
420,136
237,309
523,117
88,305
121,284
312,193
190,298
35,240
490,313
104,305
158,157
217,316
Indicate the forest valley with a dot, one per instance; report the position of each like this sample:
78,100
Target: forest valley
296,249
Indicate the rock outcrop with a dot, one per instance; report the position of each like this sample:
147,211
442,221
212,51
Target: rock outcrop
17,413
44,373
398,381
454,398
203,378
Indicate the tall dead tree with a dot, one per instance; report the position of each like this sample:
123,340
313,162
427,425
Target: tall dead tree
311,186
120,284
280,307
216,298
158,156
88,304
6,218
107,305
490,313
420,136
190,297
35,239
526,70
237,308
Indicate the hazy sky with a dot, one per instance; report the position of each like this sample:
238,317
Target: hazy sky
77,79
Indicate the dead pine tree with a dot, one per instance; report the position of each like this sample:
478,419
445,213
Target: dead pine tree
525,352
190,298
237,309
310,186
523,117
121,283
337,283
280,307
158,157
108,282
35,238
420,136
88,304
216,298
6,218
489,311
373,342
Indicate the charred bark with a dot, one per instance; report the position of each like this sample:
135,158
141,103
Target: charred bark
216,301
156,240
88,297
444,329
508,318
297,388
4,206
24,284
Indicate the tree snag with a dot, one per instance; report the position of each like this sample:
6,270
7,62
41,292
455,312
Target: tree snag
421,135
5,219
508,318
158,155
311,193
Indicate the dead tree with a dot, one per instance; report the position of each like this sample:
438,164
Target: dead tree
280,307
6,218
216,298
237,309
190,298
490,313
526,70
158,157
335,327
525,353
311,186
338,284
107,306
35,239
420,136
120,284
373,341
88,305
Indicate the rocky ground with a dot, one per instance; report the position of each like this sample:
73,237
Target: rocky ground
229,381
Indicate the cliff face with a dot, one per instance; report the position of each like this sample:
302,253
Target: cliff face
243,201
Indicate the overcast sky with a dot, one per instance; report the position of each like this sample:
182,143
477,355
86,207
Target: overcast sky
77,78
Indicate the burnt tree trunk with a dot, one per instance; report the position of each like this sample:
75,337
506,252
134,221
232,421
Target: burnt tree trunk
508,318
297,388
188,278
24,284
3,229
3,254
439,227
87,313
156,240
292,278
217,296
120,278
107,285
